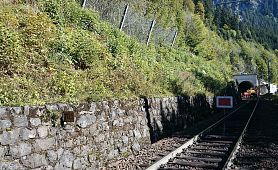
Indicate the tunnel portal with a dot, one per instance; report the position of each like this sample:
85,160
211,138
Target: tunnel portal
244,86
246,81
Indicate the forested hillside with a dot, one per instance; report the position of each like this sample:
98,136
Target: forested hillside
251,20
55,51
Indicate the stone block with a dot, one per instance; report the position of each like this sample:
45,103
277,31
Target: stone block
47,123
48,167
130,133
80,140
16,110
9,137
123,149
128,120
2,152
59,166
60,152
112,154
111,141
52,156
102,117
20,150
77,164
94,130
32,133
35,121
44,144
85,132
136,147
42,131
5,124
69,128
76,151
68,143
105,105
118,122
20,121
3,112
64,107
103,126
139,118
52,131
103,145
84,150
159,124
118,144
24,134
86,120
100,138
116,104
93,107
121,112
125,140
143,122
34,160
137,134
26,110
92,158
80,163
146,131
11,165
82,107
115,123
67,159
51,107
112,115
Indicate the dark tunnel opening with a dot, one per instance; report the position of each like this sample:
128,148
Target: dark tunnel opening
244,86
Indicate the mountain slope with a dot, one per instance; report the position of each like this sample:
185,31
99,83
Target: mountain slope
252,20
55,51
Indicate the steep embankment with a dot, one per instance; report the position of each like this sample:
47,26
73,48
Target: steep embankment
54,51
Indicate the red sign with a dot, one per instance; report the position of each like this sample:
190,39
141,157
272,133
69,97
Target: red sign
224,102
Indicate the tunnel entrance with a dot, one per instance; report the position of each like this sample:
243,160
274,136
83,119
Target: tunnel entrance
244,86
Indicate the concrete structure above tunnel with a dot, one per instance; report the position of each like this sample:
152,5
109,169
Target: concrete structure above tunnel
246,81
252,78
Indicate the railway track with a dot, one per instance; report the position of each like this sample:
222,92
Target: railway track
213,148
259,149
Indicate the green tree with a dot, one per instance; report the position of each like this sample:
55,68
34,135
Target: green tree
189,5
194,31
200,10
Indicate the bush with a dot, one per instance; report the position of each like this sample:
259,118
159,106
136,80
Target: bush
55,51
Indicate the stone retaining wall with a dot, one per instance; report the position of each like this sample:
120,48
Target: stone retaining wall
34,137
168,115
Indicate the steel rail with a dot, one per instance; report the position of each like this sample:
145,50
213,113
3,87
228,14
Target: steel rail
272,104
232,155
166,158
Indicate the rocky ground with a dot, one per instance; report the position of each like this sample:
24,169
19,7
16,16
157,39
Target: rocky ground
259,149
148,155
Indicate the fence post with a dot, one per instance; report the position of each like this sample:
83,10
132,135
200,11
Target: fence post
150,32
123,18
84,3
174,39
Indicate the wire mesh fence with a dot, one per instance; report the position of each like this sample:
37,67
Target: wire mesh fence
108,10
164,36
135,24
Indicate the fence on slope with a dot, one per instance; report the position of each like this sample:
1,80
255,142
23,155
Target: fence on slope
126,18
